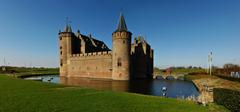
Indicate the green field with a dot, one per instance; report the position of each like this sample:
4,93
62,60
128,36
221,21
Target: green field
30,96
23,71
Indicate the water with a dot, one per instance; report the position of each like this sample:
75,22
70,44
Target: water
175,88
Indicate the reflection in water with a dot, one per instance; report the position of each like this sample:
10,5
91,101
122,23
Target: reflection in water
101,84
175,88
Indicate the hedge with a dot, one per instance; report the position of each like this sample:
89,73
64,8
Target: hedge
228,98
229,78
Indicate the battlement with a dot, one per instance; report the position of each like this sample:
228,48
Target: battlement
66,34
92,54
121,35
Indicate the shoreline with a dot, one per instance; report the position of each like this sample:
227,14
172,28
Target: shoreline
32,75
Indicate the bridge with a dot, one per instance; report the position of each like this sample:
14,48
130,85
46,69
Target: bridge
168,76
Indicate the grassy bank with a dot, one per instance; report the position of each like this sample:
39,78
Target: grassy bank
21,95
223,89
158,71
25,72
214,81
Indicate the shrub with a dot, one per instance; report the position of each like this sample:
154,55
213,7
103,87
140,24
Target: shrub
228,98
229,78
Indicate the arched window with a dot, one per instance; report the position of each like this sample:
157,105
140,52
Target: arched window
119,62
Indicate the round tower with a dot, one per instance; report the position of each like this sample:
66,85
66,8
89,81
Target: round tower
121,42
65,46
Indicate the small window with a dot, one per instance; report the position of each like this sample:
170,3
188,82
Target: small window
124,41
61,64
61,52
119,63
60,47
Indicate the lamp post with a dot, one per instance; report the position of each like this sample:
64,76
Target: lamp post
210,63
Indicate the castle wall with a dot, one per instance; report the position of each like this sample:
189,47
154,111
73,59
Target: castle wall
91,65
142,60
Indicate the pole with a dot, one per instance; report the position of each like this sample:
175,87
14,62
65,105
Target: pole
210,63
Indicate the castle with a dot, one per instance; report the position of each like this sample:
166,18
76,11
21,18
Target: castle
85,56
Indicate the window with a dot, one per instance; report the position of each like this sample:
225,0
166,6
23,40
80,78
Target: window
61,64
119,62
124,41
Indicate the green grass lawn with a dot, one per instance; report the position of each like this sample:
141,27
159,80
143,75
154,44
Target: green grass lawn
23,71
30,96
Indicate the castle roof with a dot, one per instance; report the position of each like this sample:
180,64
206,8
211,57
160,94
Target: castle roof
94,43
121,24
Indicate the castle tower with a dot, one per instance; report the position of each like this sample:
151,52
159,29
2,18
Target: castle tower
65,46
121,42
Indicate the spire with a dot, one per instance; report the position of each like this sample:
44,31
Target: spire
121,24
78,32
68,28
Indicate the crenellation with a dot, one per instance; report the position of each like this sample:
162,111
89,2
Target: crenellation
92,54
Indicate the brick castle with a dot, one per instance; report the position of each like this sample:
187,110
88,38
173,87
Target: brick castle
85,56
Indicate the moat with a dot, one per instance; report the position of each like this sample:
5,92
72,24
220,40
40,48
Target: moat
175,88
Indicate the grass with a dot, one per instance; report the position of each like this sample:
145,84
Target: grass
187,70
199,76
24,72
179,70
215,81
29,96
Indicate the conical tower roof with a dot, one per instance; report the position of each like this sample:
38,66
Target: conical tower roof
121,24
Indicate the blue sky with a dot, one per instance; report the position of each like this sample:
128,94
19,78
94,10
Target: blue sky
181,32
